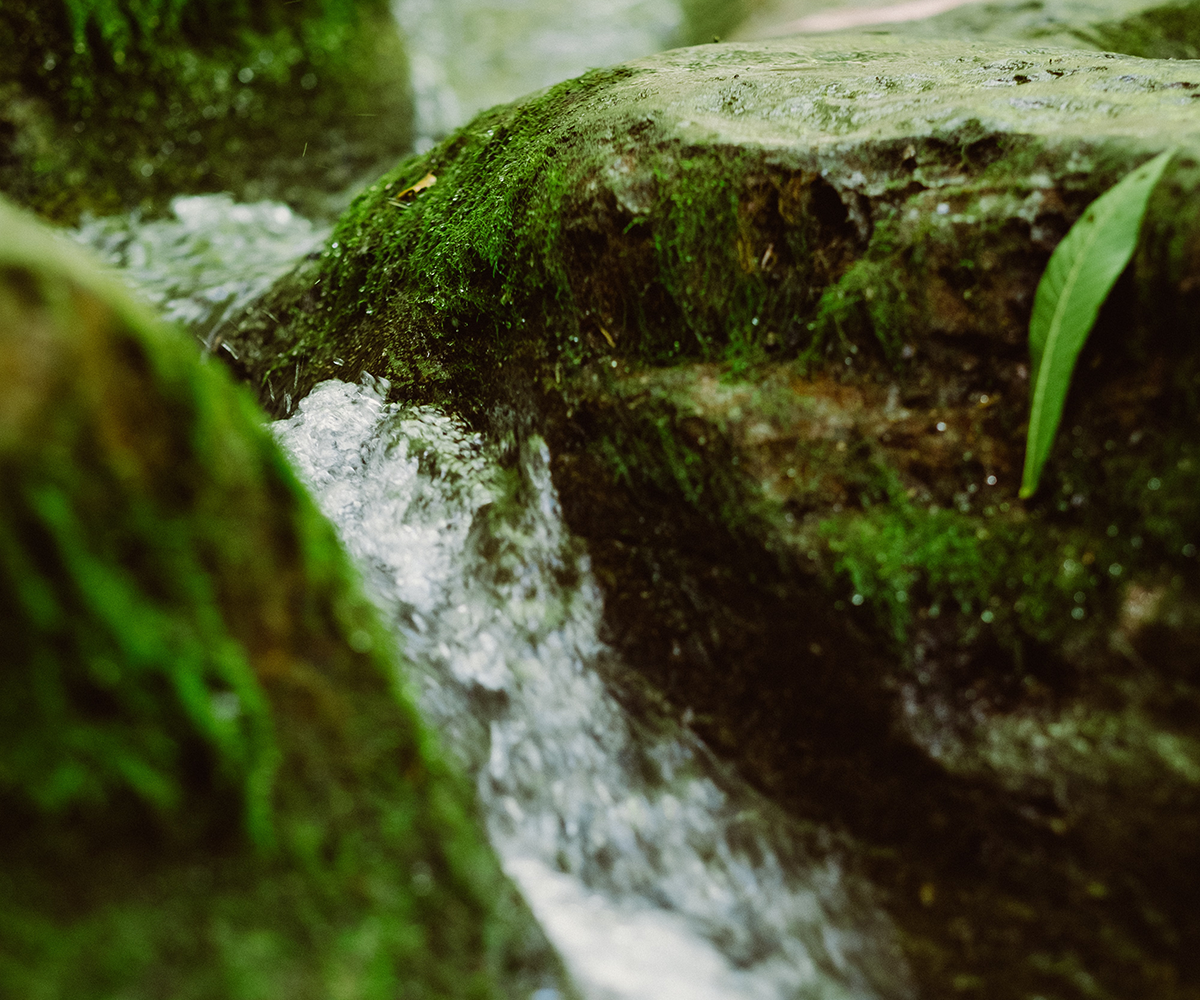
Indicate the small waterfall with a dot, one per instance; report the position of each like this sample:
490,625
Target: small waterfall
656,873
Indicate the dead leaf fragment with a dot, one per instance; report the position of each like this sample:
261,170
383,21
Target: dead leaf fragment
428,181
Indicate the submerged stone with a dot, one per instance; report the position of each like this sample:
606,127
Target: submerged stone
211,784
769,303
107,107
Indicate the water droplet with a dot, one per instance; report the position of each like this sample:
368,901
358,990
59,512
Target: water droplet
991,480
987,617
1078,613
1154,484
943,208
941,425
856,600
226,705
1115,569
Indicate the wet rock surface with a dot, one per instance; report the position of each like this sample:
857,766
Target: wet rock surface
210,784
769,305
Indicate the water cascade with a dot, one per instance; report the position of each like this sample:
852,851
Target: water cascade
656,873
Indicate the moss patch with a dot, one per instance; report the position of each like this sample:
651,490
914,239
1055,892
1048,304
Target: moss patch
109,107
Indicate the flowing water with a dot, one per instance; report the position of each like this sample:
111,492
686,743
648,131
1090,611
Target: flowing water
655,871
209,259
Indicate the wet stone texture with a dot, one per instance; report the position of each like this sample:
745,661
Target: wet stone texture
210,785
769,305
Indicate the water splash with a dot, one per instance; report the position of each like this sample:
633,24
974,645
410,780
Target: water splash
654,872
211,258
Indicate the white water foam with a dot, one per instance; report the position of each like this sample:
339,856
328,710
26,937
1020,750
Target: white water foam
209,259
652,870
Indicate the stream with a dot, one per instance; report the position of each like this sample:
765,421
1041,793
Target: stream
653,868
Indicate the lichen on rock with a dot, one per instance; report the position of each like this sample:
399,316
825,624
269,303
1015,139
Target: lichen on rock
211,782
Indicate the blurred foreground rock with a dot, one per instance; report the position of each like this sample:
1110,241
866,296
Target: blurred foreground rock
210,783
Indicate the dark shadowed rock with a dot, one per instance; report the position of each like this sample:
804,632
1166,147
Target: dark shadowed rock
210,783
109,107
769,304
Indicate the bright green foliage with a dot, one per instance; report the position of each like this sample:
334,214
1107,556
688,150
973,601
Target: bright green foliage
118,23
1082,270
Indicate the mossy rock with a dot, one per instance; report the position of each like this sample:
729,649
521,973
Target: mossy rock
1144,28
211,782
769,304
106,107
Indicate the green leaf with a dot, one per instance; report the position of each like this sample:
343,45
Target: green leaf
1081,272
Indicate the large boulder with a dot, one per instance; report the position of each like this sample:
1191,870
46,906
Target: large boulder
769,303
211,784
106,107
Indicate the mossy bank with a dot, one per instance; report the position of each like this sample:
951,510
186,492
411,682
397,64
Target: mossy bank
769,305
211,782
107,107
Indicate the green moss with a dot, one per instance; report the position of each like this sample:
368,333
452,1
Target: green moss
493,252
211,783
1171,31
114,105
